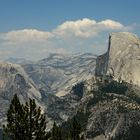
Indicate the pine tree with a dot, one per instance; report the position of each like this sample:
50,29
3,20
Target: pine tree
75,130
56,132
25,122
14,127
35,121
134,132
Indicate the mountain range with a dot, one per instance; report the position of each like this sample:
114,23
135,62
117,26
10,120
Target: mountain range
79,85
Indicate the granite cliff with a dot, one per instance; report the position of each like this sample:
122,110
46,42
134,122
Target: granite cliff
14,80
122,60
104,96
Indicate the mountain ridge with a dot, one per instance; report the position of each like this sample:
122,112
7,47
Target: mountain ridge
103,91
122,58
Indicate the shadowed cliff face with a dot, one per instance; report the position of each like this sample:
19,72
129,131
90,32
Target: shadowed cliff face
102,61
122,60
105,114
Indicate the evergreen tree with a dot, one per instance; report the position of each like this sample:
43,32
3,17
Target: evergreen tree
56,132
134,132
25,122
75,130
48,135
14,127
35,121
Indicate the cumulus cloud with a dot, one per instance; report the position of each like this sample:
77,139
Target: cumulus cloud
86,28
70,36
26,35
110,24
79,28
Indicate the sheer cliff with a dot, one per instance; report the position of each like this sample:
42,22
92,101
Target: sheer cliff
103,93
122,60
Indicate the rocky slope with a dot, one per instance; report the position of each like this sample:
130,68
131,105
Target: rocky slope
122,60
57,74
14,80
105,113
110,113
104,107
110,107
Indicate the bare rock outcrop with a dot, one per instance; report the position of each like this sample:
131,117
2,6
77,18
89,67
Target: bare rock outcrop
122,60
14,80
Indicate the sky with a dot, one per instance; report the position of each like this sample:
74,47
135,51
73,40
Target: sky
32,29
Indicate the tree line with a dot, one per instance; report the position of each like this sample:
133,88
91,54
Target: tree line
28,122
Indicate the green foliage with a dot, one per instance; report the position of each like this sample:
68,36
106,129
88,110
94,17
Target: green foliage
15,126
112,86
35,121
25,122
133,133
82,118
75,130
72,129
116,87
56,133
78,89
105,85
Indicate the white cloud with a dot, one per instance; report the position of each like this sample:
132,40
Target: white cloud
26,35
79,28
70,36
86,28
110,24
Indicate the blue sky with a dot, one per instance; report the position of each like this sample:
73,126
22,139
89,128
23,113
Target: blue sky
31,18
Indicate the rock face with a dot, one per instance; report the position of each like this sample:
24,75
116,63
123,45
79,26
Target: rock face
53,83
122,59
14,80
57,74
106,114
45,80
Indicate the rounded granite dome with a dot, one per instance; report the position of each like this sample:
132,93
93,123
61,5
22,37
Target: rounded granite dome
122,58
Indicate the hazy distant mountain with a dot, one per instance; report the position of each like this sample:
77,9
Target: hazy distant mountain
57,74
18,60
81,85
